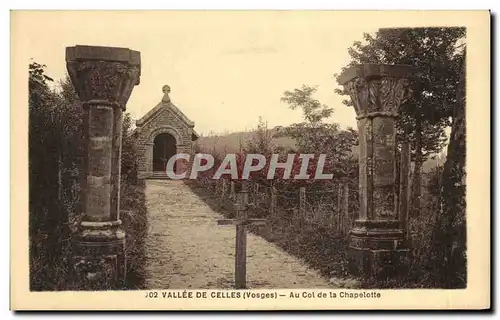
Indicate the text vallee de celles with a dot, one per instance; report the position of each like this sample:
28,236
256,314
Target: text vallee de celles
262,295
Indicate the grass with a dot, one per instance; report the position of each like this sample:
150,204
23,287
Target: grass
134,222
50,262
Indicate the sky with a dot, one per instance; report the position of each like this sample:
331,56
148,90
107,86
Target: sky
225,69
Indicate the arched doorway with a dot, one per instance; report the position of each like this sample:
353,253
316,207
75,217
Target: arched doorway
164,147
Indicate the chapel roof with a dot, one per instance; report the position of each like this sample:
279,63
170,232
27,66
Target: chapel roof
166,103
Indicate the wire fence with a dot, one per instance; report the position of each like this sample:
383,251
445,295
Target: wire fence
332,206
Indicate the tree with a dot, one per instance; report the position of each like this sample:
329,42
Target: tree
129,151
436,53
449,234
47,215
261,142
314,135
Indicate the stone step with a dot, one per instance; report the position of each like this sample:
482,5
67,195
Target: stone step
159,175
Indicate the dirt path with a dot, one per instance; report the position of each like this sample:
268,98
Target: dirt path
186,249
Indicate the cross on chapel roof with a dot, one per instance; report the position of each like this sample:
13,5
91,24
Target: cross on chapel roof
166,91
166,103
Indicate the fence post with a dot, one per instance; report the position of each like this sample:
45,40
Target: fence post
345,207
232,192
403,187
302,203
60,186
255,194
331,218
223,192
340,226
272,206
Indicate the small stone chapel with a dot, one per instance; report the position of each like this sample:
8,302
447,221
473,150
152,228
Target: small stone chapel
161,133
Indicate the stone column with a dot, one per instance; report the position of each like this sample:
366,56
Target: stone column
103,78
149,158
377,246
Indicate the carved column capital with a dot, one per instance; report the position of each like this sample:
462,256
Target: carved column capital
103,75
377,89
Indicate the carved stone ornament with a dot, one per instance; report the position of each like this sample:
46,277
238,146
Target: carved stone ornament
166,91
377,90
393,91
103,75
357,89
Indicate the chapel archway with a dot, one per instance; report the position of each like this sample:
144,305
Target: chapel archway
164,147
164,118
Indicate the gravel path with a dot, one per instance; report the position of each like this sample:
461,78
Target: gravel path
186,249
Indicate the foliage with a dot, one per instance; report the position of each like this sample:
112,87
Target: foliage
55,160
129,152
434,182
50,211
449,258
134,222
262,142
315,134
314,112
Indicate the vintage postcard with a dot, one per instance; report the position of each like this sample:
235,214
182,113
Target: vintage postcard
250,160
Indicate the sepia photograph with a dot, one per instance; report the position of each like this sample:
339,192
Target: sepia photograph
265,155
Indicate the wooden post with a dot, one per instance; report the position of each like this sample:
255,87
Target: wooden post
397,180
255,194
302,203
241,242
232,192
223,191
331,218
272,206
403,187
339,208
345,206
241,222
60,186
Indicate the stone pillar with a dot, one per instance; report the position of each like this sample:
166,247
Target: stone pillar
103,78
149,158
377,246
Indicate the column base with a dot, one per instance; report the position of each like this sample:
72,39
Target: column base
99,258
378,249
